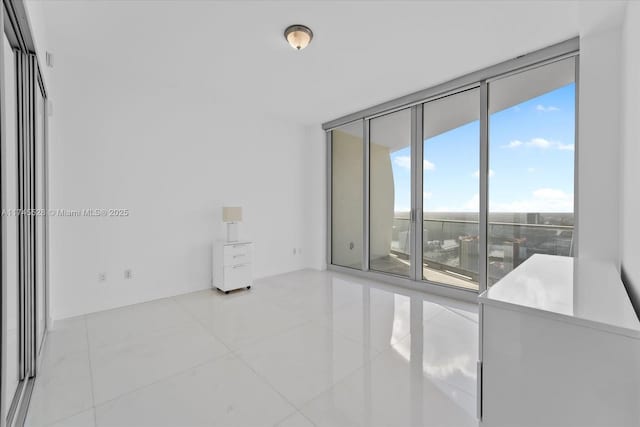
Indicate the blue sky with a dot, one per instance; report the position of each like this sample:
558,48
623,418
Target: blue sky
531,149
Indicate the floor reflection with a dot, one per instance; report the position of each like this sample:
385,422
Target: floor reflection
419,363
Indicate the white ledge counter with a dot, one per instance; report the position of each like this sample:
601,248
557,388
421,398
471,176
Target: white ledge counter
559,346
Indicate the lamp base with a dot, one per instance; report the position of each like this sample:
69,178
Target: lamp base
232,232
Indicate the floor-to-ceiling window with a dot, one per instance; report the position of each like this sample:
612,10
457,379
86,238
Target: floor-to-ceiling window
532,143
347,160
390,193
459,187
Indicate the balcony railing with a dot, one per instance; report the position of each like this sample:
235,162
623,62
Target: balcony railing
452,245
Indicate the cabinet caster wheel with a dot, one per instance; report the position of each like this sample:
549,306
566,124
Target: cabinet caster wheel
248,287
226,292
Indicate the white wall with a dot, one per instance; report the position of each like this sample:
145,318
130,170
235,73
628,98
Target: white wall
630,153
598,145
173,158
36,15
315,195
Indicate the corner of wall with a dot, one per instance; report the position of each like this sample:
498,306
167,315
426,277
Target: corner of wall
315,197
630,154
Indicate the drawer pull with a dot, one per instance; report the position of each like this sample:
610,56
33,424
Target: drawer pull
238,256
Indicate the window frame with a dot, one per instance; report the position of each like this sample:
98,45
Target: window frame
415,101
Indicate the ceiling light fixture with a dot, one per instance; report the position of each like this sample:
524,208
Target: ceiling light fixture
298,36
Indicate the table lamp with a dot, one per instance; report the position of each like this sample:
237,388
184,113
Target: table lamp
232,215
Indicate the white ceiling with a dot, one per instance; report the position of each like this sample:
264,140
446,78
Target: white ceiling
363,53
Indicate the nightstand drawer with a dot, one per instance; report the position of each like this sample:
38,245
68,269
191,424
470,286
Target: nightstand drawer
237,254
237,276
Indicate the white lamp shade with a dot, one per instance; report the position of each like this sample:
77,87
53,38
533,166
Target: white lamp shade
231,214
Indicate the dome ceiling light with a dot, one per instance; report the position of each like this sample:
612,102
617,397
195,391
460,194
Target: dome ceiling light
298,36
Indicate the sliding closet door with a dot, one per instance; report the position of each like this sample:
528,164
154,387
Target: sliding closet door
40,218
14,350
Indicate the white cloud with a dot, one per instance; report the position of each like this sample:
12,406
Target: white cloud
531,170
476,174
546,109
513,144
473,204
405,162
540,143
540,200
427,195
550,194
566,147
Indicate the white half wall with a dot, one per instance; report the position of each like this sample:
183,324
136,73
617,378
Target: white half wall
630,153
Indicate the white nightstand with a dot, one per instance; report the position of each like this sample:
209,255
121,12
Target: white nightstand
232,265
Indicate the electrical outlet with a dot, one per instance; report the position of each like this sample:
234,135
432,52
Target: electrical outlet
294,251
102,277
128,274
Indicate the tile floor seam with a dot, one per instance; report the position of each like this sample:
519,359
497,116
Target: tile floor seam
59,420
142,338
199,365
348,374
461,315
373,349
306,418
203,326
297,411
346,377
93,392
267,382
253,341
135,337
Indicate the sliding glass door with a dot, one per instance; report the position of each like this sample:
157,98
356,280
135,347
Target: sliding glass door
460,187
390,162
450,200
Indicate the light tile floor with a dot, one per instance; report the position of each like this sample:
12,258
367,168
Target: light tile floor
307,348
